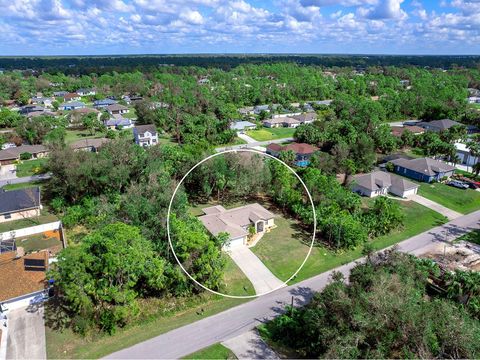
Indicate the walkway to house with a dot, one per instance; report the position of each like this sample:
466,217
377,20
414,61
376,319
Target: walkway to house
250,345
26,333
450,214
261,278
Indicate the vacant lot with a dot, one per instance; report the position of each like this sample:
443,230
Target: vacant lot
463,201
266,134
31,167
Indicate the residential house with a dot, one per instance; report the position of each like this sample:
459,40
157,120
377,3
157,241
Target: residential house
381,183
321,102
92,145
19,204
117,109
474,100
10,155
463,153
303,152
423,169
71,97
145,135
281,122
118,123
41,113
103,103
60,93
86,92
248,110
438,125
242,126
261,108
306,118
24,110
72,105
399,130
237,222
45,101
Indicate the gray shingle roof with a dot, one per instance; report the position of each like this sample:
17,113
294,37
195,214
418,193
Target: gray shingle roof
19,200
14,152
377,180
141,129
425,166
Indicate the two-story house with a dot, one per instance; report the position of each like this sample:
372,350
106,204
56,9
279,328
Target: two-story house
145,135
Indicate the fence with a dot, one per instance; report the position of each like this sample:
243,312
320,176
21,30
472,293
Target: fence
30,230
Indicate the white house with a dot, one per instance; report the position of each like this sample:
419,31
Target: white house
381,183
72,105
145,135
463,153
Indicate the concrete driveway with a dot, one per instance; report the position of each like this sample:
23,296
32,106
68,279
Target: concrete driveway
261,278
8,172
450,214
250,345
26,333
247,138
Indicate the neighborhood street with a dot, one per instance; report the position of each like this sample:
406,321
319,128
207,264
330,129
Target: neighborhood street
243,318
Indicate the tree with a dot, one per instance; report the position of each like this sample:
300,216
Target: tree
92,123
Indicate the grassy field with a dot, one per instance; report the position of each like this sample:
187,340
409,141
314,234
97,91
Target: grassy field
265,134
473,237
463,201
159,317
31,167
287,239
44,218
74,135
216,351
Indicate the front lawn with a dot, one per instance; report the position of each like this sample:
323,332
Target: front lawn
158,316
31,167
265,134
463,201
44,218
215,351
235,141
282,251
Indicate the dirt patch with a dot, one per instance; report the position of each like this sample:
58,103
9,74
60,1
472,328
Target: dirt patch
462,256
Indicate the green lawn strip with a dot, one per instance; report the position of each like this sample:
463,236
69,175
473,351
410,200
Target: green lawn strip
74,135
473,237
265,134
282,251
131,114
36,242
463,201
24,185
164,315
216,351
235,141
44,218
31,167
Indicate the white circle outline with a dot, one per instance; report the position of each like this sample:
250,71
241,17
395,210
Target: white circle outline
235,151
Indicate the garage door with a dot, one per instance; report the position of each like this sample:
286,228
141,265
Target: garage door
236,242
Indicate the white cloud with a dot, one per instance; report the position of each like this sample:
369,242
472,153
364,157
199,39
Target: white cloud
192,17
387,9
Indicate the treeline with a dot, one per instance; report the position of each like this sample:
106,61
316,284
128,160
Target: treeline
388,309
87,64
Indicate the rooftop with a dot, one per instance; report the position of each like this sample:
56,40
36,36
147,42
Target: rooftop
425,166
298,148
19,200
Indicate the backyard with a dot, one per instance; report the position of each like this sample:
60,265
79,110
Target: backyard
265,134
463,201
44,218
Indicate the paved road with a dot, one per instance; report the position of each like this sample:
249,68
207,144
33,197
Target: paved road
240,319
449,213
254,144
250,345
26,333
261,278
22,180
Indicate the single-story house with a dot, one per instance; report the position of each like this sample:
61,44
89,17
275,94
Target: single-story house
399,130
60,93
259,108
24,110
86,92
103,103
236,222
71,97
321,102
145,135
281,122
41,113
72,105
10,155
19,204
438,125
302,151
306,118
381,182
45,101
92,145
463,153
117,109
248,110
474,100
118,122
423,169
242,126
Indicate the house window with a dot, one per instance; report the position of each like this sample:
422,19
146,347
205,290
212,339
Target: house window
7,216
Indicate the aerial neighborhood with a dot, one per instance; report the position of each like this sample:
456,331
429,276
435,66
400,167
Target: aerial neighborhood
130,188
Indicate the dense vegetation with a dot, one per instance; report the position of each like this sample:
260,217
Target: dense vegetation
388,309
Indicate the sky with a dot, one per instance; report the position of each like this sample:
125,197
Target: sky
99,27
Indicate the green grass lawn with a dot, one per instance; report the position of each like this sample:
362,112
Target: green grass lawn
131,114
161,316
235,141
473,237
216,351
74,135
463,201
44,218
286,239
24,185
265,134
31,167
37,242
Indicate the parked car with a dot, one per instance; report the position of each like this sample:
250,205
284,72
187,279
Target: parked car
471,183
458,184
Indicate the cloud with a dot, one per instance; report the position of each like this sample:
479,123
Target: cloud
192,17
388,9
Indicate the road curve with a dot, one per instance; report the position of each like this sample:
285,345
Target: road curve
235,321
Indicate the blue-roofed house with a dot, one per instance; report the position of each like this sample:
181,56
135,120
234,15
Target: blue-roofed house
241,126
72,105
103,103
118,123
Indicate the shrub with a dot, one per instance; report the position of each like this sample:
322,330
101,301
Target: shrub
25,156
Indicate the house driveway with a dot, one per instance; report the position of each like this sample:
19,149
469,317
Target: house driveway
26,333
450,214
261,278
250,345
247,138
8,172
